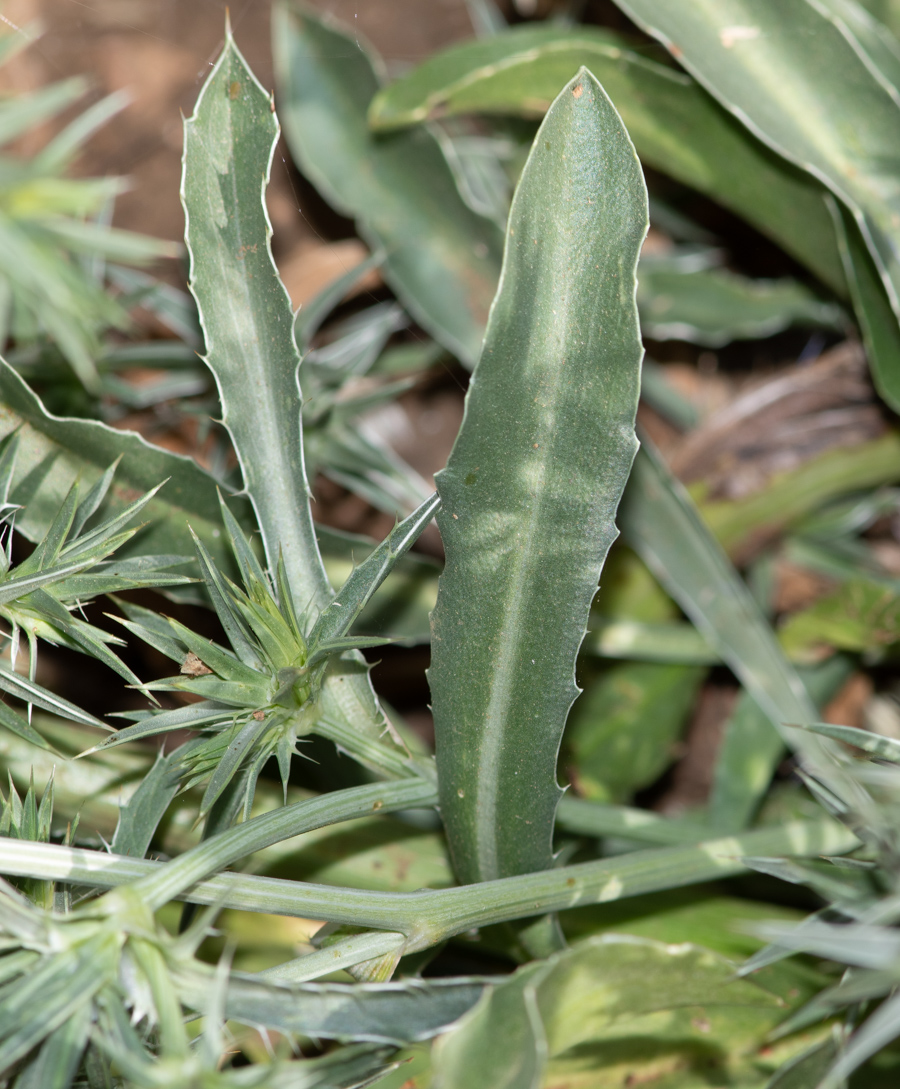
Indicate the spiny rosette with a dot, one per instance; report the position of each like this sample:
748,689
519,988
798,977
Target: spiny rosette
261,695
258,695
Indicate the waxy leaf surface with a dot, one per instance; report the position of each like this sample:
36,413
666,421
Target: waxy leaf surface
531,489
815,86
245,310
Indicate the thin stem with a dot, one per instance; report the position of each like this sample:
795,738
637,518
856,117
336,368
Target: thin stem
342,954
431,916
213,855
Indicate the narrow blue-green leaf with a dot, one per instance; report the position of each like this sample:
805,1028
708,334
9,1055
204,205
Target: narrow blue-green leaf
806,1070
140,816
20,113
312,314
874,1034
382,1012
57,1061
713,306
440,257
676,126
752,748
245,310
9,720
886,748
226,769
803,81
531,488
664,528
29,692
53,453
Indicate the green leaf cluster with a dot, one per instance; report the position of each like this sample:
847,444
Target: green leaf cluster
589,938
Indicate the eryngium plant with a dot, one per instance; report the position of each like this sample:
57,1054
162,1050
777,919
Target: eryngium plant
93,987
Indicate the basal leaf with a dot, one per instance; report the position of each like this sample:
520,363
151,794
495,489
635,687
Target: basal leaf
530,491
578,997
245,310
248,323
676,126
441,258
54,452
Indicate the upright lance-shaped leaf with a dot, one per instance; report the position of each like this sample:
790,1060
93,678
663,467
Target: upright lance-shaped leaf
248,323
531,489
810,83
245,310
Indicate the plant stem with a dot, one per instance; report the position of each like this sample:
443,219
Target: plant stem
431,916
213,855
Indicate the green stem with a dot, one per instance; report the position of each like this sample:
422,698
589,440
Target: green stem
213,855
431,916
343,954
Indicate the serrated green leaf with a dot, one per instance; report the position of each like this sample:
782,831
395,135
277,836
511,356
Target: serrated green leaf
245,310
442,259
229,145
529,502
676,126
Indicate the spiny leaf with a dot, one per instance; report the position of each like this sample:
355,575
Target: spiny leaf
529,504
245,310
